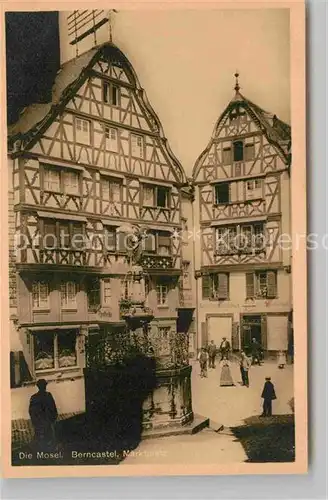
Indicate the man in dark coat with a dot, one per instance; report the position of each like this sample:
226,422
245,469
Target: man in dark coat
43,413
212,354
268,395
224,348
256,352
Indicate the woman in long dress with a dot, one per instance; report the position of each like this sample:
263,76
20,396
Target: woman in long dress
225,378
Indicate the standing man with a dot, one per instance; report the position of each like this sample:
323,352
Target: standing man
268,395
245,364
203,359
43,413
212,354
224,348
256,352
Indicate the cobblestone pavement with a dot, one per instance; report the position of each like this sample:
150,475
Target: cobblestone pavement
223,405
231,405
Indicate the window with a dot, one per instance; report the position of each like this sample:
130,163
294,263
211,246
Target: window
110,93
61,181
51,180
162,291
50,240
150,242
40,295
110,239
254,189
71,182
126,288
244,238
82,130
67,235
111,139
215,286
238,151
68,295
156,196
249,152
137,146
111,190
222,193
226,156
107,291
162,197
261,284
93,292
164,243
54,350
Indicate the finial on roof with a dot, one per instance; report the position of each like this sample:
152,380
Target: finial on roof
110,23
237,87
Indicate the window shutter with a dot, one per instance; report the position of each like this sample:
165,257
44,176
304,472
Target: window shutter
150,243
223,286
111,237
105,189
164,241
249,285
122,241
271,284
206,286
235,336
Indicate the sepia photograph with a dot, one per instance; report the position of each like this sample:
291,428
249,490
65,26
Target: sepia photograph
151,250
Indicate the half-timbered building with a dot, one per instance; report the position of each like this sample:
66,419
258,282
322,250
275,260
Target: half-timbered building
242,216
81,167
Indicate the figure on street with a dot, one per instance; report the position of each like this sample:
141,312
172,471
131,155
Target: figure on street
256,352
212,354
203,359
224,348
281,359
245,364
225,378
268,395
43,413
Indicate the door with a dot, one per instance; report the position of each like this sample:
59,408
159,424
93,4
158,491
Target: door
219,327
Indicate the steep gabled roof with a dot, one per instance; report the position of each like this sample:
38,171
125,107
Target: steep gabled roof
35,119
276,131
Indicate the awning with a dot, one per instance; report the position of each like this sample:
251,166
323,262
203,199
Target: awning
56,215
49,328
156,182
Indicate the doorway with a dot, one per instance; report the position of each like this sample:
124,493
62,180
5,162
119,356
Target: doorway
251,328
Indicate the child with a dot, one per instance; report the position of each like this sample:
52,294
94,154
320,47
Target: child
281,359
268,395
203,358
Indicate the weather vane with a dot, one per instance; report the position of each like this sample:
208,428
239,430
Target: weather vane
237,86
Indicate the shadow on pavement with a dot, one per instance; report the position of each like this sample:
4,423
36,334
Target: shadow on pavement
269,439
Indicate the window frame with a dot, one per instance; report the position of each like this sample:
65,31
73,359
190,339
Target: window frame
46,305
110,181
133,147
55,343
237,231
68,305
256,285
109,140
155,188
162,293
57,224
78,140
216,187
107,93
91,289
62,172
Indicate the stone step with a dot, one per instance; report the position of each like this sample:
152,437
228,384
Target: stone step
199,423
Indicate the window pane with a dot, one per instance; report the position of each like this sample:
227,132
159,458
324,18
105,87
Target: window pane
71,182
162,197
238,151
44,351
137,145
66,349
148,196
115,191
64,236
249,152
226,156
49,236
222,193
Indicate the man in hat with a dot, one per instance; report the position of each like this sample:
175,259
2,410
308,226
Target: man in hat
268,395
43,413
224,348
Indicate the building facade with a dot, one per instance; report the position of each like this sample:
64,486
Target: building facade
242,214
83,168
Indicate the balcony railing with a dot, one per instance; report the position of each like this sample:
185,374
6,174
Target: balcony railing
157,262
